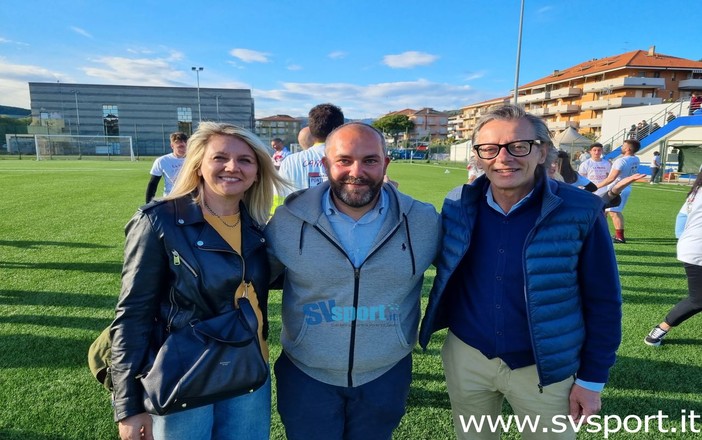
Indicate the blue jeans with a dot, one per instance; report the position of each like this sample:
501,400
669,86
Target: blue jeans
314,410
246,417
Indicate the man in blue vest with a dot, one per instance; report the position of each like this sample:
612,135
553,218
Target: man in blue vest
526,319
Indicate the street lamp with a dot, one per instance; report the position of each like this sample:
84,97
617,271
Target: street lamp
77,113
80,154
197,72
519,52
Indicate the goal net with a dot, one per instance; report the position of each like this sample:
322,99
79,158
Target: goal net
64,146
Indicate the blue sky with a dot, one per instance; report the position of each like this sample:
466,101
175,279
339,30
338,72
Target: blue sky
369,57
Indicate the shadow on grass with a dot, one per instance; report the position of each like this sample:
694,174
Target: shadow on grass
674,264
57,299
26,244
681,341
649,240
420,397
631,273
644,253
31,351
107,267
81,323
640,405
653,296
13,434
656,376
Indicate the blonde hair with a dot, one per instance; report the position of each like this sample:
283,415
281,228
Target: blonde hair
258,199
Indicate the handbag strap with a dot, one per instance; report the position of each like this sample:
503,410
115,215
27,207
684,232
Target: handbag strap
247,312
237,327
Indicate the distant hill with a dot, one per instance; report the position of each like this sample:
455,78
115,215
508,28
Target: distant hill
16,112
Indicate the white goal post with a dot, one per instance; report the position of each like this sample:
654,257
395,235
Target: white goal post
65,146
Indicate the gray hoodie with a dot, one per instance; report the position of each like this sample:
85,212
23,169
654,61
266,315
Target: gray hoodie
342,325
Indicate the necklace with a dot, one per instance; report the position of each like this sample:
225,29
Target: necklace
220,218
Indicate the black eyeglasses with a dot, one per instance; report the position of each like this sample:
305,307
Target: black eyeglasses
516,148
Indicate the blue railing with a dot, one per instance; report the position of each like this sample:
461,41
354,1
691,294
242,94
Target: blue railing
661,133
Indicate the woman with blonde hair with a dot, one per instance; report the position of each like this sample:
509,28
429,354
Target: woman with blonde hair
190,256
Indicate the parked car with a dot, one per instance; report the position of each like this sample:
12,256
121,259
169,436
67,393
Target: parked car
407,154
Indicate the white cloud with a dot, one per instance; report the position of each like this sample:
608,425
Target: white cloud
363,101
409,59
250,56
474,75
81,31
294,67
337,55
157,71
13,82
6,41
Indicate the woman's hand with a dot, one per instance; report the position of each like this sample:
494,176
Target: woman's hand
136,427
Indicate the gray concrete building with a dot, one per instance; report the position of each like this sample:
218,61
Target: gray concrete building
147,114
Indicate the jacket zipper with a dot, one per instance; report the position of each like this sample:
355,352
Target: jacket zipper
528,239
356,283
172,311
178,260
352,344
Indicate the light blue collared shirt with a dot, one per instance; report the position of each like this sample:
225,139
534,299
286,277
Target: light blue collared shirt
494,205
356,237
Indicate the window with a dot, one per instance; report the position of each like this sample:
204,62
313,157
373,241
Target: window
656,74
185,120
110,120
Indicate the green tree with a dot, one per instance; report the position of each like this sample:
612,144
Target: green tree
394,125
12,126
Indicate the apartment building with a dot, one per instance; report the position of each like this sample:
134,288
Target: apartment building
428,124
278,126
577,96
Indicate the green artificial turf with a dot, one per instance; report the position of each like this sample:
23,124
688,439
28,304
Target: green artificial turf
61,240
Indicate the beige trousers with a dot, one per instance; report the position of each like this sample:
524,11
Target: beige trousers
477,387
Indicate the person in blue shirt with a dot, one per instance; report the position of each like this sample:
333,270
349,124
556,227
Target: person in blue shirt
527,319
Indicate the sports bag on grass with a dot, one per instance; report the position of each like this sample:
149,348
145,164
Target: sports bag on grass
205,362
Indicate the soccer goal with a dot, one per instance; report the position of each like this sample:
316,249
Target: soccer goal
64,146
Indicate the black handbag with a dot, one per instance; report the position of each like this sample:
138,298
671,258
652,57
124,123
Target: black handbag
205,362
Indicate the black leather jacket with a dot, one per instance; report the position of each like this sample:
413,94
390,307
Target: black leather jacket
176,268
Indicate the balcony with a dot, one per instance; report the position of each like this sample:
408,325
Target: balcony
564,108
633,82
690,84
534,97
619,102
566,92
591,123
561,125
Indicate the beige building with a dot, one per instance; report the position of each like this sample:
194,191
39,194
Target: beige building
577,96
429,124
278,126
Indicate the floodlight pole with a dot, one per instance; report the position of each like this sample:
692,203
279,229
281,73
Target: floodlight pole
197,71
77,113
519,51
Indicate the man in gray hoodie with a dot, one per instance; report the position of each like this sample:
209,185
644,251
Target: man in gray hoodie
353,251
